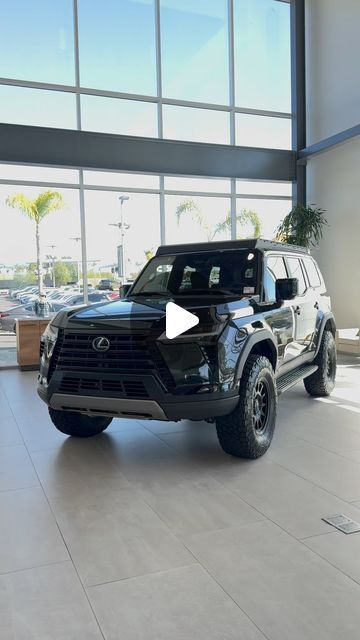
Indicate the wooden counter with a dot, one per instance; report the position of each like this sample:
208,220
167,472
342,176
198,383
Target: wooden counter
28,334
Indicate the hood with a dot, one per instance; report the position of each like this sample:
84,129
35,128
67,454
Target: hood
144,314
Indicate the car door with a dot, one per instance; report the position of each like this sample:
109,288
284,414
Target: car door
304,306
279,318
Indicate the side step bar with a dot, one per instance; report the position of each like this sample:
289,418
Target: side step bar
288,380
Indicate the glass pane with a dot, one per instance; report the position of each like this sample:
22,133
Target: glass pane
175,183
199,125
141,215
36,41
255,187
17,244
38,174
195,50
117,45
37,107
112,115
261,131
197,219
297,272
262,216
262,54
114,179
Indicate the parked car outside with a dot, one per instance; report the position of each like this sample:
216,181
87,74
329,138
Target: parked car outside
96,296
106,284
24,311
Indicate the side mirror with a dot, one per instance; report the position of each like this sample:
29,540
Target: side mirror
124,290
287,288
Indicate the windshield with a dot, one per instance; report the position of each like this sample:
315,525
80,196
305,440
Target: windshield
203,273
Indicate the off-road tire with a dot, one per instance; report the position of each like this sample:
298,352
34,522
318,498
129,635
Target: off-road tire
75,424
322,381
236,432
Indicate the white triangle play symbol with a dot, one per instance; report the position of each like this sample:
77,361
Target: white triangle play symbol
178,320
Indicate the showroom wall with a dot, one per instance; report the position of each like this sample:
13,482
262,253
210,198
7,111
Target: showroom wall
333,104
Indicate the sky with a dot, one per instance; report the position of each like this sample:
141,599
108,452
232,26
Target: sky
118,53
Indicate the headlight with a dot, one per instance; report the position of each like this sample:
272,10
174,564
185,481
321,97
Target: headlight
49,338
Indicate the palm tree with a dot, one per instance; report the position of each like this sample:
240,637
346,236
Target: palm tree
245,216
190,207
45,203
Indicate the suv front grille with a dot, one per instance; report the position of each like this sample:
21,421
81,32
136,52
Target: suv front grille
122,388
128,353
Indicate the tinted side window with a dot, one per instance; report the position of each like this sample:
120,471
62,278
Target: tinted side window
276,266
312,272
296,272
275,269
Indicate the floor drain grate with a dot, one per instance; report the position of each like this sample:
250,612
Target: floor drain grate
343,523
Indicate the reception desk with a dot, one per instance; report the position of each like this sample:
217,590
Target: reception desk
28,334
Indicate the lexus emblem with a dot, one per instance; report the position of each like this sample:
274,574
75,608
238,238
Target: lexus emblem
101,344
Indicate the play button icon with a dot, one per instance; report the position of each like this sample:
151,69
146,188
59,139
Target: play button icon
178,320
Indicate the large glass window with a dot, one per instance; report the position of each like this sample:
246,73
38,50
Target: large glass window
59,237
259,217
262,54
36,41
261,131
258,187
121,180
37,107
117,45
214,185
141,217
194,38
200,125
197,219
112,115
38,174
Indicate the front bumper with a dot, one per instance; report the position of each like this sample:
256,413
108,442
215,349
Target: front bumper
156,403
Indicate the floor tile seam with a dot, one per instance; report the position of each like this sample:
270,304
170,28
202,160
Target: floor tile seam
314,484
82,586
142,575
65,544
36,566
334,566
29,486
197,561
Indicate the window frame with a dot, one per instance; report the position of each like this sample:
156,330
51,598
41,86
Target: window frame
300,259
309,258
267,256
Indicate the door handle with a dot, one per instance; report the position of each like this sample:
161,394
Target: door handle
297,310
316,305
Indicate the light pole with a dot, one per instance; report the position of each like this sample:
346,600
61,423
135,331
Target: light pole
122,228
53,258
77,240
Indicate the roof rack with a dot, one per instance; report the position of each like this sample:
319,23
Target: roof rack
223,245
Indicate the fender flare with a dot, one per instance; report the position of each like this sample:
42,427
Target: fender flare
257,337
325,318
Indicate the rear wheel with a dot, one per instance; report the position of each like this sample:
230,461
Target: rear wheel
322,382
247,431
75,424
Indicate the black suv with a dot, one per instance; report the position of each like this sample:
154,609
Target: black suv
265,323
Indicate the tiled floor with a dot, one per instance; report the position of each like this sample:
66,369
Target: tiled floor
150,532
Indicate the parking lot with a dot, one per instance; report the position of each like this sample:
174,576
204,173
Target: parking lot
7,340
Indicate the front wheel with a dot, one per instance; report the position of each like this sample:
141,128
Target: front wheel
247,432
75,424
322,382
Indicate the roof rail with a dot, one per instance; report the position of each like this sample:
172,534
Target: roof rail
224,245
